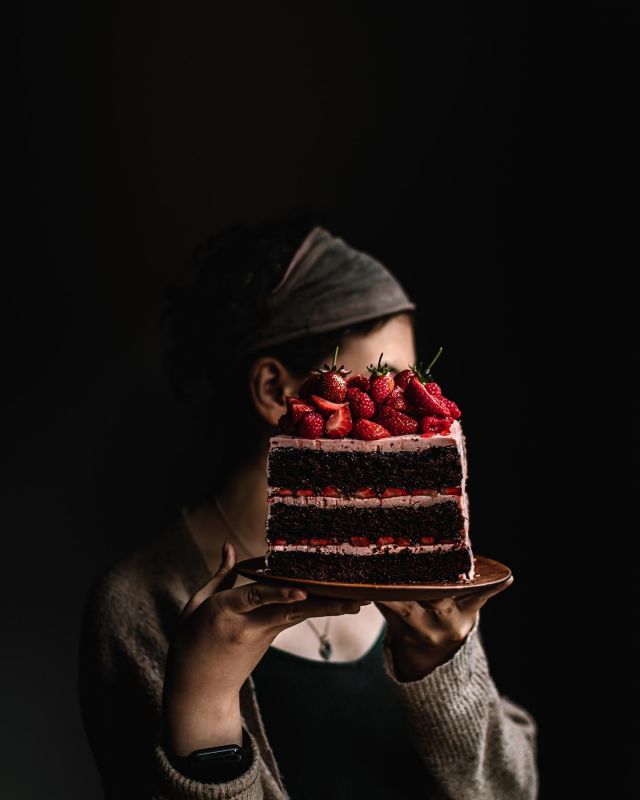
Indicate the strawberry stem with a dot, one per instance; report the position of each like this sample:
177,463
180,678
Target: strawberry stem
335,357
435,358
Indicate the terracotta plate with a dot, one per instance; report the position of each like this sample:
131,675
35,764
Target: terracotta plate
487,573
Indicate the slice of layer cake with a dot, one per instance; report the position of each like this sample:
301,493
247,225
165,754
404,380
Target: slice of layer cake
363,501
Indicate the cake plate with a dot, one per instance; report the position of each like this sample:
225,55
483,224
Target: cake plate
488,573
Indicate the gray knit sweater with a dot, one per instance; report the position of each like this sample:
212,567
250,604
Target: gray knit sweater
475,744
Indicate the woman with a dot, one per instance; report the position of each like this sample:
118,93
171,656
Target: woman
179,653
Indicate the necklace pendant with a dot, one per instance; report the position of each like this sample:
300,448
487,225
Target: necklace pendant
325,648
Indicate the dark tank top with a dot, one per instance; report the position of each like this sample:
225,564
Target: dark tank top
336,728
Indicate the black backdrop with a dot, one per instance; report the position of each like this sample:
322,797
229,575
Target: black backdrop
481,150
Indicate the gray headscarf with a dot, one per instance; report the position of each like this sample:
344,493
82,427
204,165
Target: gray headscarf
327,285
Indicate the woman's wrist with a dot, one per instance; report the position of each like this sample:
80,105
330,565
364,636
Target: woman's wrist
192,726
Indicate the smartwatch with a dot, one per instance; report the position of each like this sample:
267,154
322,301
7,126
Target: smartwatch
215,764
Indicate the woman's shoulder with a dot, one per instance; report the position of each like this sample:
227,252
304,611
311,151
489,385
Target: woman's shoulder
147,587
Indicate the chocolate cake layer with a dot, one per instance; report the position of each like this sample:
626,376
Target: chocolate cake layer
406,567
430,468
444,521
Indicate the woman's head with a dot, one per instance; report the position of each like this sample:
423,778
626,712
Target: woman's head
220,323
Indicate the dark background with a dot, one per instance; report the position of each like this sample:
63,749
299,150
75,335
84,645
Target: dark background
482,150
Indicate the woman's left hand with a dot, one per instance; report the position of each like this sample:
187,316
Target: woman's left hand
426,633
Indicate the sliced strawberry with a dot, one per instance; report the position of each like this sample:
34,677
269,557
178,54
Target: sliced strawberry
397,400
358,382
397,423
435,425
368,430
359,541
403,541
382,540
364,493
402,378
424,492
362,406
319,542
305,493
304,541
427,539
279,541
310,386
339,423
331,491
393,492
287,425
456,490
325,407
284,492
311,425
422,399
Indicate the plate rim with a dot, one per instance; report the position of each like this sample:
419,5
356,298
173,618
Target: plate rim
459,587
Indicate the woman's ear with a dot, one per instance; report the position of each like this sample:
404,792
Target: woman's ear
269,382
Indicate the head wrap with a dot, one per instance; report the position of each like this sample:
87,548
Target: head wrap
327,285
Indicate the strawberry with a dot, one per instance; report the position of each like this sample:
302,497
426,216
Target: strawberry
311,425
397,423
325,407
433,425
297,408
424,492
397,400
433,387
318,542
332,383
287,425
331,491
382,540
403,541
381,383
393,492
422,399
304,493
454,411
362,406
358,382
310,386
359,541
279,541
339,423
456,490
368,430
427,539
304,541
364,493
284,492
402,378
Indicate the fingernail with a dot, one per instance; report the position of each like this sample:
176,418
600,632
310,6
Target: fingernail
298,594
365,602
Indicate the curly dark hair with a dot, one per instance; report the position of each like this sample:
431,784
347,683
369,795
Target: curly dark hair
231,274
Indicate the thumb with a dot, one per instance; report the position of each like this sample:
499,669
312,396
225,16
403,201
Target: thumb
223,578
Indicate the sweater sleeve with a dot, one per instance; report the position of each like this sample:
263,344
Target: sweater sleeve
121,675
476,744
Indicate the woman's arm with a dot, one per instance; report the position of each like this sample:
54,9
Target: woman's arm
476,744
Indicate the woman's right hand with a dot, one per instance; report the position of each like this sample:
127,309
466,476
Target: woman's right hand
223,633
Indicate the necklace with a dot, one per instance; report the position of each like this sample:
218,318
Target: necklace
325,650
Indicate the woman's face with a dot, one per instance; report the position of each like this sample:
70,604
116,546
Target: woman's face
394,339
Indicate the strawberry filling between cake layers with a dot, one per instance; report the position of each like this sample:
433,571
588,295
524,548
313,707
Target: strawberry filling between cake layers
372,549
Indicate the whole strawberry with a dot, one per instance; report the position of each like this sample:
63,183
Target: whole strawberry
309,386
432,425
397,400
297,408
402,378
381,383
368,430
397,423
454,411
358,382
362,406
332,383
311,426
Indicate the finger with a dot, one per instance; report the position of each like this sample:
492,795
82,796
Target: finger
273,617
251,596
473,602
223,578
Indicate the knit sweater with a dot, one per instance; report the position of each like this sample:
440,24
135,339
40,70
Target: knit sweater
475,743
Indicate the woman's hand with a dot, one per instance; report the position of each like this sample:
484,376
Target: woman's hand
425,634
223,633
